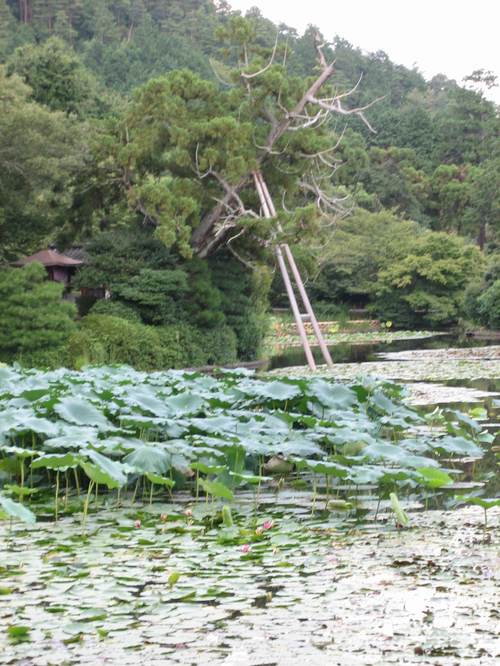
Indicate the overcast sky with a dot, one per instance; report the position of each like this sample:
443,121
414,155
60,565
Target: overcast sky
453,37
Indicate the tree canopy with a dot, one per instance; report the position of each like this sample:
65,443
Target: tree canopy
149,119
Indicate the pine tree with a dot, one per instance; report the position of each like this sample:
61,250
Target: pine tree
34,318
7,26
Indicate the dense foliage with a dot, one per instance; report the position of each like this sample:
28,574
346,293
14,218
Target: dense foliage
115,428
35,321
132,128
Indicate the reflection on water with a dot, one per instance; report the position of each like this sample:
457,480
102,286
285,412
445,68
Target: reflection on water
361,353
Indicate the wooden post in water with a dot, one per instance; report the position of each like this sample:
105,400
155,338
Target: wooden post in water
270,212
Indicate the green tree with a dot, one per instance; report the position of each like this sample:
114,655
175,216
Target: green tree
482,217
450,196
188,150
7,27
425,284
360,246
396,180
41,152
35,323
57,77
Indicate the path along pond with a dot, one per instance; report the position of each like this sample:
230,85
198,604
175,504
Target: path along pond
309,522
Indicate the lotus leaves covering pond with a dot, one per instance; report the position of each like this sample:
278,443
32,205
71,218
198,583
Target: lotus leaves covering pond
273,344
417,365
114,426
193,581
174,591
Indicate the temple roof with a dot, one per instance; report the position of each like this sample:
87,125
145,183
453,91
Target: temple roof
49,258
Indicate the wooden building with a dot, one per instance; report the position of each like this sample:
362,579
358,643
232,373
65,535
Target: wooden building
59,267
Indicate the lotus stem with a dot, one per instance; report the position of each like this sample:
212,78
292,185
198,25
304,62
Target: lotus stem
77,481
135,490
66,497
378,507
86,504
56,507
22,479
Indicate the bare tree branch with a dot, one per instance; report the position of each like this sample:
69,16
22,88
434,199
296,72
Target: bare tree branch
264,69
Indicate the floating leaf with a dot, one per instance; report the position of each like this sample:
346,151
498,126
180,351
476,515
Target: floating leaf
173,578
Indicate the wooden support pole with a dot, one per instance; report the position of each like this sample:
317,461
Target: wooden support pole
263,191
295,309
270,212
307,304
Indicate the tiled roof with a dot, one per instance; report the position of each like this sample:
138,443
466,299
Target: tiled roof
49,258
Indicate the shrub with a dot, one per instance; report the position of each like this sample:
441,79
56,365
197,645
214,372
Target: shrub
107,339
155,294
106,306
489,306
35,323
244,302
183,346
221,345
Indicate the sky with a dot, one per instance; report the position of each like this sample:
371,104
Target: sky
452,37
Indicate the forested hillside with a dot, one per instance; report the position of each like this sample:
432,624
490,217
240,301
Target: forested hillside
129,128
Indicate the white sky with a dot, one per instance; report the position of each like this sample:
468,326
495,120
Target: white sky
452,37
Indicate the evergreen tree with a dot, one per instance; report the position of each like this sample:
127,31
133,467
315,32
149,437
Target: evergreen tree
35,320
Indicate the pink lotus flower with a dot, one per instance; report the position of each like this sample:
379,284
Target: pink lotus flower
188,513
267,525
137,524
245,548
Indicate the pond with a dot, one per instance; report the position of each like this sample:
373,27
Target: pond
362,352
312,569
311,589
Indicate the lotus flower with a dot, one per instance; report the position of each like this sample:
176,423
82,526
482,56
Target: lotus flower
245,548
267,524
163,517
137,524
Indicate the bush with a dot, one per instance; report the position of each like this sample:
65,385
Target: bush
107,339
35,323
104,339
482,297
244,302
489,306
106,306
45,359
221,345
141,273
183,346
